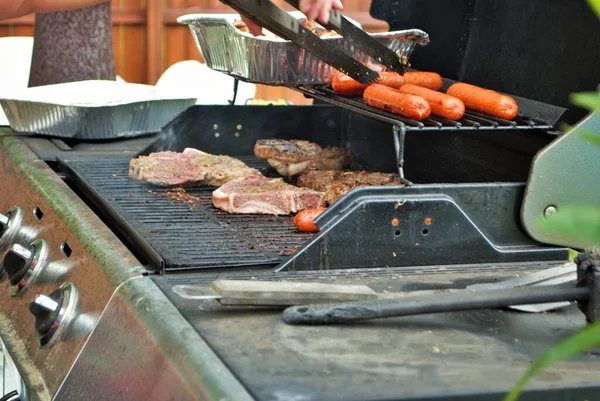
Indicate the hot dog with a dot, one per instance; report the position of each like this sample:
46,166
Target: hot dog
485,100
430,80
389,99
391,79
305,220
344,85
442,105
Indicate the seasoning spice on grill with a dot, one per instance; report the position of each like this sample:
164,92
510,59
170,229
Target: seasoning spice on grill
180,195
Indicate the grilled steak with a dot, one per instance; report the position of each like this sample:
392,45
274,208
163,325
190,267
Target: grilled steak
293,157
336,184
192,167
261,195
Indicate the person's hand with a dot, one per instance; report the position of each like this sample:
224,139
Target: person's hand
254,29
313,9
319,9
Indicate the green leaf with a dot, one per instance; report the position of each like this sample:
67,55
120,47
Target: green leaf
578,221
572,255
595,4
584,340
587,100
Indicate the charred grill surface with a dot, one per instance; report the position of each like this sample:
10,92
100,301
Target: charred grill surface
181,230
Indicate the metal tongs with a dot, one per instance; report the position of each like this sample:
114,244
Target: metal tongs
270,16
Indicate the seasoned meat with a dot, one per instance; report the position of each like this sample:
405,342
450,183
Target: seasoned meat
293,157
191,167
336,184
310,25
261,195
317,29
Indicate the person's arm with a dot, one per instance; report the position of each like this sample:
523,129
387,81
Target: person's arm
314,9
18,8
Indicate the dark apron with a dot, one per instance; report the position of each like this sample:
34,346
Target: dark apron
73,46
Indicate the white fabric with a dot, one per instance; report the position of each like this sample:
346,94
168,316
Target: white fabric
209,86
15,53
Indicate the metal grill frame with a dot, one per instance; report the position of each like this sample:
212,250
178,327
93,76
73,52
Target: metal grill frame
472,121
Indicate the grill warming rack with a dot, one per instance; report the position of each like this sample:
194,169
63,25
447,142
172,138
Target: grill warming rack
472,121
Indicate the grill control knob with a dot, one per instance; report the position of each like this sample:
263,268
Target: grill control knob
12,230
23,264
4,223
54,313
17,262
10,225
46,309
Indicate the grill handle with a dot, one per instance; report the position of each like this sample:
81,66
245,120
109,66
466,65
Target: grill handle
422,304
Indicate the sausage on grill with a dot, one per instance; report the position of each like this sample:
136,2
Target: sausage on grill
392,100
305,220
391,79
344,85
430,80
442,105
485,100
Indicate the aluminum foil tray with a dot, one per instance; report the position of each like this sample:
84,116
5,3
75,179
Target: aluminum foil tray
93,110
275,61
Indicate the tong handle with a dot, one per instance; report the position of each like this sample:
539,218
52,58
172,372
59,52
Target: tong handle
423,304
280,22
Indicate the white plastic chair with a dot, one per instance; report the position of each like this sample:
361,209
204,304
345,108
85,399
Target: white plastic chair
209,86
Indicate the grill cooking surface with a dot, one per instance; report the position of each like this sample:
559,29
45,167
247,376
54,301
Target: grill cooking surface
188,234
470,122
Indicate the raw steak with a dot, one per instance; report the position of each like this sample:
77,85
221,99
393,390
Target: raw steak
293,157
192,167
261,195
336,184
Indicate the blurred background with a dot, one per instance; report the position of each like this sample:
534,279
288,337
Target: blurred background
148,40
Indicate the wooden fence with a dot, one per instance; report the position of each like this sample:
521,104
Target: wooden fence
148,39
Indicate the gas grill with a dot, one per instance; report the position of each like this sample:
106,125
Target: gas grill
112,250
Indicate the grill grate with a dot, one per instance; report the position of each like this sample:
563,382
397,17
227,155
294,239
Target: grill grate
472,121
176,235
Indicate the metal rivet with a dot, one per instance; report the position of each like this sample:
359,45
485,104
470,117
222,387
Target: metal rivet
217,135
550,210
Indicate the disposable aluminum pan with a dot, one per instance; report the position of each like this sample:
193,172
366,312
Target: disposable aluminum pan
93,110
275,61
